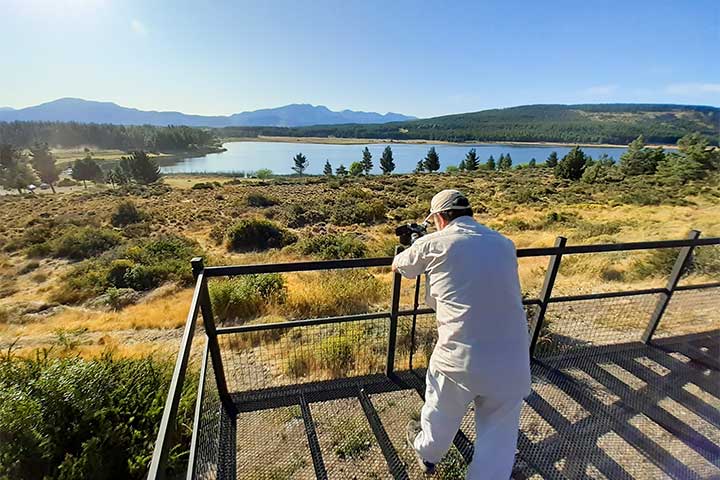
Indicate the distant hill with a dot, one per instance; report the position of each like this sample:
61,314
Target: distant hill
86,111
6,109
601,123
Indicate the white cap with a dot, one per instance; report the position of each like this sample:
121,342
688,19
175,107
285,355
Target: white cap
447,200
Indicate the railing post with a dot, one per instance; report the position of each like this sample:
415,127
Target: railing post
546,293
394,309
681,264
211,332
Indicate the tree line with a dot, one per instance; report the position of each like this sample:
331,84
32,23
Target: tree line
616,124
20,169
107,136
693,160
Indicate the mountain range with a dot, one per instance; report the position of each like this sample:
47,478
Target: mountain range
294,115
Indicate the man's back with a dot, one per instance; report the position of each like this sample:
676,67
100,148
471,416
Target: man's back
474,288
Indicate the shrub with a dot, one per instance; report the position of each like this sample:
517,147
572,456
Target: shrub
297,216
78,243
203,186
259,200
343,292
332,246
656,263
256,234
298,364
125,214
75,418
349,211
264,173
336,354
140,265
67,182
246,296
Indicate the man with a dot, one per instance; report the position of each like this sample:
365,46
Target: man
481,355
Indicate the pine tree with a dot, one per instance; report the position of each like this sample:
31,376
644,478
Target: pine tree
432,161
85,169
532,163
328,169
505,162
387,163
15,172
356,169
490,164
367,163
552,160
461,166
43,161
341,171
472,162
301,163
572,165
420,167
143,169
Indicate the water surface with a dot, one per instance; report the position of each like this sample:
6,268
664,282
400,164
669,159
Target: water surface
277,156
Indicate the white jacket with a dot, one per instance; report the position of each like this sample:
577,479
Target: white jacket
473,286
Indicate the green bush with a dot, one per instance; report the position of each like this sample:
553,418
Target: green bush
656,263
257,234
336,354
331,246
75,418
125,214
141,265
78,243
246,296
259,200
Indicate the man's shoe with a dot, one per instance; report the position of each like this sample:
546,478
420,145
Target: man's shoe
411,431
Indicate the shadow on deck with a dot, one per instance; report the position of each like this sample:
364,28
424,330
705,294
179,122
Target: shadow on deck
619,411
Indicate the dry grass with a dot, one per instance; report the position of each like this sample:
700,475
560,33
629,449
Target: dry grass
589,214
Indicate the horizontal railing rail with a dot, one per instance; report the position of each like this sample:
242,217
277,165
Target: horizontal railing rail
201,303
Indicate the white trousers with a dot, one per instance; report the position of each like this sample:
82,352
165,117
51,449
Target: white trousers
496,427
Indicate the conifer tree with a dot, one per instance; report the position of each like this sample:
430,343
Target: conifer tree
301,163
366,163
472,162
387,163
432,161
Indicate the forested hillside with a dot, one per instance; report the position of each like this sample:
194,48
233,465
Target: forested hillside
612,123
121,137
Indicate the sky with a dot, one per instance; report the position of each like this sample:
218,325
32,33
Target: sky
422,58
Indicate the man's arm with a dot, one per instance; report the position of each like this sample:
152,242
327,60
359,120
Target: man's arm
411,262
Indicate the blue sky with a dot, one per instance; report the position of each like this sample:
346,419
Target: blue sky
416,57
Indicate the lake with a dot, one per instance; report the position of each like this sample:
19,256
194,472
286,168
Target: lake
277,156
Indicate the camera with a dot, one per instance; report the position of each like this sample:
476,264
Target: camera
410,232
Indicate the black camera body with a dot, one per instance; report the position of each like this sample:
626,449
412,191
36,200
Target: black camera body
410,232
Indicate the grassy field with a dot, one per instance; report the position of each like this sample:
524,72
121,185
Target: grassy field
41,306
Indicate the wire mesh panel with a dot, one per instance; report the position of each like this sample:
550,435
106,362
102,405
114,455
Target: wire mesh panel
272,445
208,439
304,354
691,311
570,328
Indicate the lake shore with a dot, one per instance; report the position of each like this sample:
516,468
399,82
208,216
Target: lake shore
366,141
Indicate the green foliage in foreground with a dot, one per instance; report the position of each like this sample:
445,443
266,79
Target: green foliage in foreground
75,418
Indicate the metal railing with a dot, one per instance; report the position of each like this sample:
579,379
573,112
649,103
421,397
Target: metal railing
201,303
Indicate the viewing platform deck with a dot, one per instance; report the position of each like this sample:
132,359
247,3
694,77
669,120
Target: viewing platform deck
625,385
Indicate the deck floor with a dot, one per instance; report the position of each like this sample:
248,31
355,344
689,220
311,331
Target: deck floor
614,412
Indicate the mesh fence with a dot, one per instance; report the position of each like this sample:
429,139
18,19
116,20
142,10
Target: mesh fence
304,354
691,311
208,439
571,328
